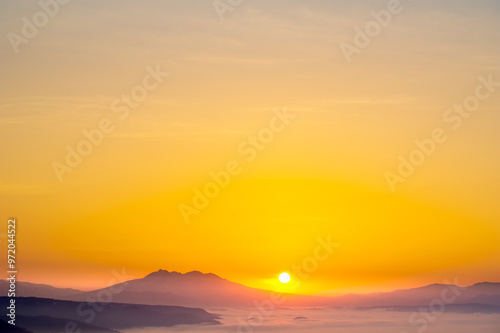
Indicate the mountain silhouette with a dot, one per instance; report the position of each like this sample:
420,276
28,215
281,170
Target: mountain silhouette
189,289
207,290
27,289
49,315
480,293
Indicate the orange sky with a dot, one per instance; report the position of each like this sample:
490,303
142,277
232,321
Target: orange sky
321,175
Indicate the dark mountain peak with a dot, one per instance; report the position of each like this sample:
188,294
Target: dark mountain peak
161,273
200,274
432,286
164,274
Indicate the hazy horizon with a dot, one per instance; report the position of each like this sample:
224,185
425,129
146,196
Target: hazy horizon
321,294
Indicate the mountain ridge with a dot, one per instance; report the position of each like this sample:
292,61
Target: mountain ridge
208,290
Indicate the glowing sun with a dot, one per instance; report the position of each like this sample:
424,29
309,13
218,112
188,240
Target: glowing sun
284,277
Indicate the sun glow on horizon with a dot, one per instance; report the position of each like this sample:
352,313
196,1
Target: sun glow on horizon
284,277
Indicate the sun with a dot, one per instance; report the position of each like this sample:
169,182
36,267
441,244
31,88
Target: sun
284,277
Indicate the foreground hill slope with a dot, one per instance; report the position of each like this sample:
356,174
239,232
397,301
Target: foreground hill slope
42,314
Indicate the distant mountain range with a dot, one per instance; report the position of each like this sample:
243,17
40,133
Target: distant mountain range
38,290
486,293
196,289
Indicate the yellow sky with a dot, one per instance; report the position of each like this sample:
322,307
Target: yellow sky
322,175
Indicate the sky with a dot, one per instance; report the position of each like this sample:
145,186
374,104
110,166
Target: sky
205,83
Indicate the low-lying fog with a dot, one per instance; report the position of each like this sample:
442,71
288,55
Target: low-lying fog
341,321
